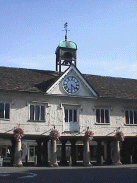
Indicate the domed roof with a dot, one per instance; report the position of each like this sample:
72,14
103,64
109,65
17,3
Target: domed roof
68,44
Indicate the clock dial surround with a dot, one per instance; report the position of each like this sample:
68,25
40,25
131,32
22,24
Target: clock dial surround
71,84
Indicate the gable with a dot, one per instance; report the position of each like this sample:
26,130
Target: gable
41,81
72,83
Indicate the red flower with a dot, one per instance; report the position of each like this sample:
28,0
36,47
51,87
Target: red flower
18,133
55,134
89,135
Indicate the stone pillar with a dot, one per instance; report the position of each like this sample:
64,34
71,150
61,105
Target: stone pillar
99,154
109,159
39,153
117,153
63,156
53,160
18,153
45,153
73,152
86,153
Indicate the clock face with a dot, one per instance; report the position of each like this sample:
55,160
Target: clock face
71,85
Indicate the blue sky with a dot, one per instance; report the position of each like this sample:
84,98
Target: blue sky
104,31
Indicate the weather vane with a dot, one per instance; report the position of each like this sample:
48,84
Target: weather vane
66,29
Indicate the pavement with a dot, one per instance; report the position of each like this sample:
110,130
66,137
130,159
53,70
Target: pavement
22,169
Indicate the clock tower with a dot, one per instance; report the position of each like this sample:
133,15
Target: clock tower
65,52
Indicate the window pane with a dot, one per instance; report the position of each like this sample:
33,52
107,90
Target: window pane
1,110
75,115
31,112
131,117
37,112
31,151
66,115
135,117
70,115
98,116
7,111
3,151
127,117
106,116
42,113
102,115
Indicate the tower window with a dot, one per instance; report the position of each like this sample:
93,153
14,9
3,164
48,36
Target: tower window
67,55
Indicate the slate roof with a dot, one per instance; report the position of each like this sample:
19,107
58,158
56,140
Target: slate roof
112,87
27,80
31,80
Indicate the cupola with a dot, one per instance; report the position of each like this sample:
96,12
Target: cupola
66,52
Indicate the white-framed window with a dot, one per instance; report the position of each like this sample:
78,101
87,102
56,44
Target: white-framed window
71,115
102,115
131,116
4,110
37,112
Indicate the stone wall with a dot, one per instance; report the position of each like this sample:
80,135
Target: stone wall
19,114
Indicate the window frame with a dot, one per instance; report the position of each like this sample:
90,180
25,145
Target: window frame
4,111
73,115
128,119
77,107
34,115
71,126
102,118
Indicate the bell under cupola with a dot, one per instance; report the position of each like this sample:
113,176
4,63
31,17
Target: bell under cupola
66,52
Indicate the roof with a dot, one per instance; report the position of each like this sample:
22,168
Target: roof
67,44
113,87
31,80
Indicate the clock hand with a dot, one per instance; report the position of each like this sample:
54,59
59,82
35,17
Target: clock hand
72,87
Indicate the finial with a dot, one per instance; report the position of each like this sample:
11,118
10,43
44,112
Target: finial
65,27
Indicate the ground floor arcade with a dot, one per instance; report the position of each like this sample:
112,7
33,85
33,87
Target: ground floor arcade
42,151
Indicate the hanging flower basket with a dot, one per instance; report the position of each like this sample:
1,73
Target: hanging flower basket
89,135
18,133
55,134
119,136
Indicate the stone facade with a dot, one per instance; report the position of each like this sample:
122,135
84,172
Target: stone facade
19,114
72,115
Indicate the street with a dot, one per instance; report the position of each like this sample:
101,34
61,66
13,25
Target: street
96,174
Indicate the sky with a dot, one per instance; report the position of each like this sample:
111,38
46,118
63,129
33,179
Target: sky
105,32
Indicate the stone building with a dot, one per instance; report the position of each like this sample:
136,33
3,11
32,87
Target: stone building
74,104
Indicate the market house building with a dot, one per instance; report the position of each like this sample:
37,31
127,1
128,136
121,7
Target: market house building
39,101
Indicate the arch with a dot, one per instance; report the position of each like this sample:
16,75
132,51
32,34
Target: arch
67,55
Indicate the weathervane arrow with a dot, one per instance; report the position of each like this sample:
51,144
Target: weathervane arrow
66,29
